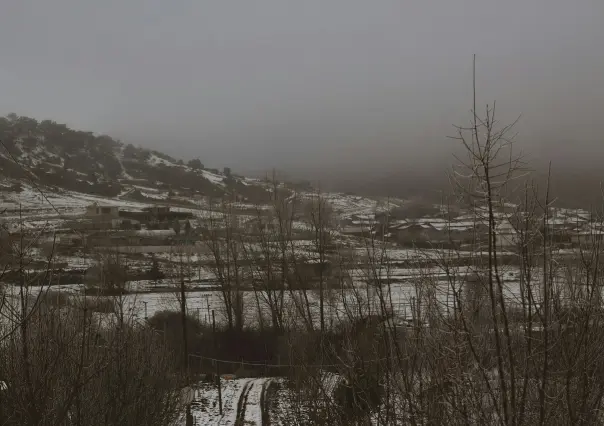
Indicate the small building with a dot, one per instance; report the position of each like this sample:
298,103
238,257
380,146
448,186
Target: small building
122,223
361,231
157,210
156,214
414,233
95,211
464,232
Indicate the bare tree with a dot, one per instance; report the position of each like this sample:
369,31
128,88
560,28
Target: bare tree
319,216
223,241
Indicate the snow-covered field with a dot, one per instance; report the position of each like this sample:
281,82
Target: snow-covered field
402,280
339,304
31,202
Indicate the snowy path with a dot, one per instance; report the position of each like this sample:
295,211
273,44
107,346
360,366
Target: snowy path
241,403
250,412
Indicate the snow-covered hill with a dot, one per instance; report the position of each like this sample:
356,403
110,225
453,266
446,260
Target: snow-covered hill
75,168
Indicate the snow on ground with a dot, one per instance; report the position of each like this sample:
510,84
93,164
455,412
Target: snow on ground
152,193
251,181
146,188
213,177
28,197
253,408
243,401
400,282
14,223
82,200
167,284
72,289
347,205
155,195
67,202
119,156
155,160
337,305
74,262
205,409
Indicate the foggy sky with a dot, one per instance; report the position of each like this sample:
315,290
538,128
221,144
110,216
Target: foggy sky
308,85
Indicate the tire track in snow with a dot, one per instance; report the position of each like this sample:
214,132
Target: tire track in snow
264,403
207,412
251,403
245,402
241,404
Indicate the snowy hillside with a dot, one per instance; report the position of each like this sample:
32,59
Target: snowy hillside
50,173
57,156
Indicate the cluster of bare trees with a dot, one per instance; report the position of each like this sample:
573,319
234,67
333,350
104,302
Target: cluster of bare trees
64,363
474,348
471,345
281,257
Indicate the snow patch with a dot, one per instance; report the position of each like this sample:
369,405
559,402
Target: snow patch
214,178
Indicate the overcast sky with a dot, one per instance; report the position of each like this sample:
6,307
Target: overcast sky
306,84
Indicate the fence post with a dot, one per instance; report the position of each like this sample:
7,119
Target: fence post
189,416
207,296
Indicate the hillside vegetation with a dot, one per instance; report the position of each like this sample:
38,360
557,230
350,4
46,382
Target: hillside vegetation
85,162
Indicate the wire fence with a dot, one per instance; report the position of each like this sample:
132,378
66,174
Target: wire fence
281,365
